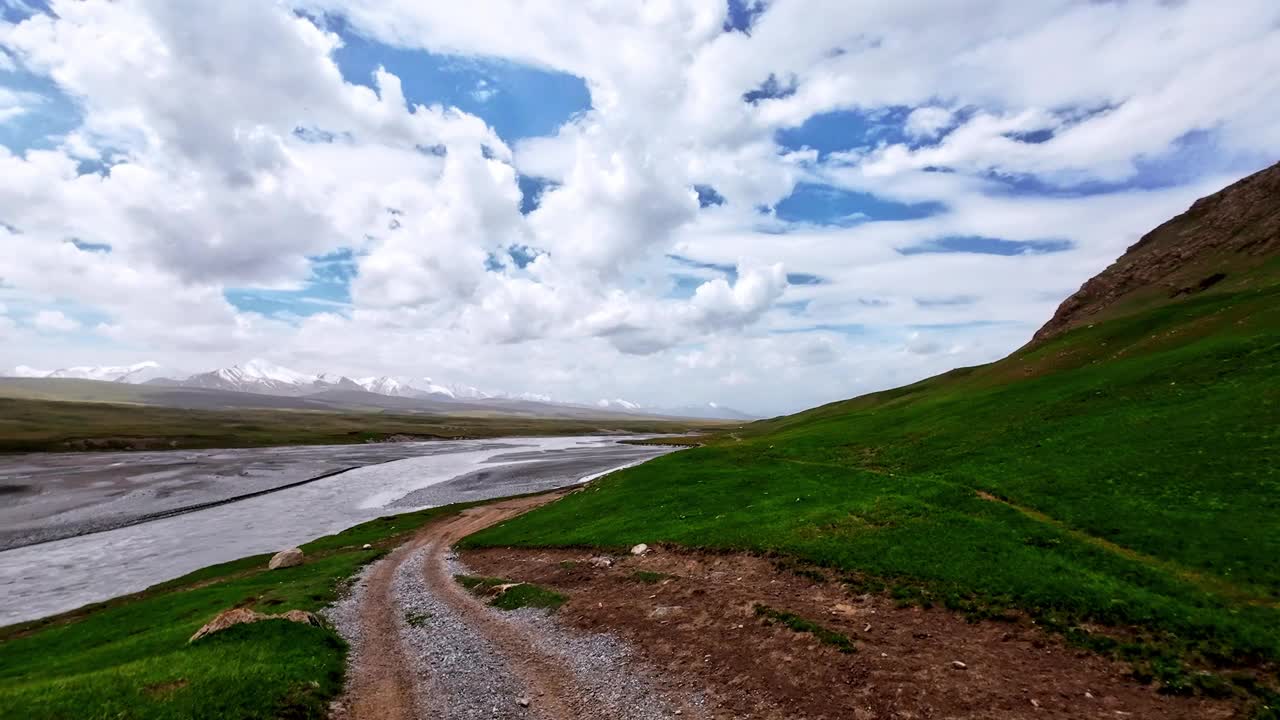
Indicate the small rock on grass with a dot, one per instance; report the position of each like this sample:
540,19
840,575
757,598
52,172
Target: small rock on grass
640,549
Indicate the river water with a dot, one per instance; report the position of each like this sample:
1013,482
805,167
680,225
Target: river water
50,577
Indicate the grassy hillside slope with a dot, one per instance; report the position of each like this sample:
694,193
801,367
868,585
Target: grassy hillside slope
1115,473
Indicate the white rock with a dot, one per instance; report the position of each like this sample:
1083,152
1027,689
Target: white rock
640,549
958,665
285,558
366,546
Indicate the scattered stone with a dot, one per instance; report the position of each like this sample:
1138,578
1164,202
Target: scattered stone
241,616
523,702
1035,703
844,609
299,616
665,611
640,549
958,665
601,562
366,546
285,558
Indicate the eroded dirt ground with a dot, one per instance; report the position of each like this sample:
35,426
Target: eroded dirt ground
697,627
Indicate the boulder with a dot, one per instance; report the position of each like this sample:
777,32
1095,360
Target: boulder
226,619
241,616
640,549
299,616
285,558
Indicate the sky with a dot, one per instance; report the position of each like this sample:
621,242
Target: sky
767,205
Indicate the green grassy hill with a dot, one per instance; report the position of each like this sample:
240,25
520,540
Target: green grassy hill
1120,471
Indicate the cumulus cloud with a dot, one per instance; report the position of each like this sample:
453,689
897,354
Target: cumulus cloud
54,321
230,150
928,122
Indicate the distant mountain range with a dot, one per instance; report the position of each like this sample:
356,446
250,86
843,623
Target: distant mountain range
259,377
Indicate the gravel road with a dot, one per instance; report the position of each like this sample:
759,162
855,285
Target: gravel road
424,647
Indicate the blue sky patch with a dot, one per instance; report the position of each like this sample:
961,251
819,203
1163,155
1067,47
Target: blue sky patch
51,115
517,101
327,290
772,88
1034,137
841,130
987,246
531,190
804,279
707,196
518,255
91,246
828,205
742,15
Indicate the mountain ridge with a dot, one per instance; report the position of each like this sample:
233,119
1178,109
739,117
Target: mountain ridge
1211,245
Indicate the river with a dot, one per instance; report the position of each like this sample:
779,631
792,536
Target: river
60,494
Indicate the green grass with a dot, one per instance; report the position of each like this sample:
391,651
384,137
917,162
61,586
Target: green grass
129,657
34,425
647,577
798,624
1123,474
519,595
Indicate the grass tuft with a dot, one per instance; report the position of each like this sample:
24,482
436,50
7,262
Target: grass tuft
509,595
798,624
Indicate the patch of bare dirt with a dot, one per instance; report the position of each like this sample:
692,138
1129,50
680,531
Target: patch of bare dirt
698,626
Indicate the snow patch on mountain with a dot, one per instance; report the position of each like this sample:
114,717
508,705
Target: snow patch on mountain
138,372
617,404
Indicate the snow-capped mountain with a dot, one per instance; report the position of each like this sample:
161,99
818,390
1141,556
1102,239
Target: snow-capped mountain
260,376
617,404
136,373
386,386
267,378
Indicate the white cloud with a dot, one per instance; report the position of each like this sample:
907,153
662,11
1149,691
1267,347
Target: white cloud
483,91
54,321
236,151
928,122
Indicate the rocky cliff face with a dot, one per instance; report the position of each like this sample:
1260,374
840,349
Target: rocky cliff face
1229,232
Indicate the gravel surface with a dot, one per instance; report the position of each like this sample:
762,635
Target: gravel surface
462,676
612,682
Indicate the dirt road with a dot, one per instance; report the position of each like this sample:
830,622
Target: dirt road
423,647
